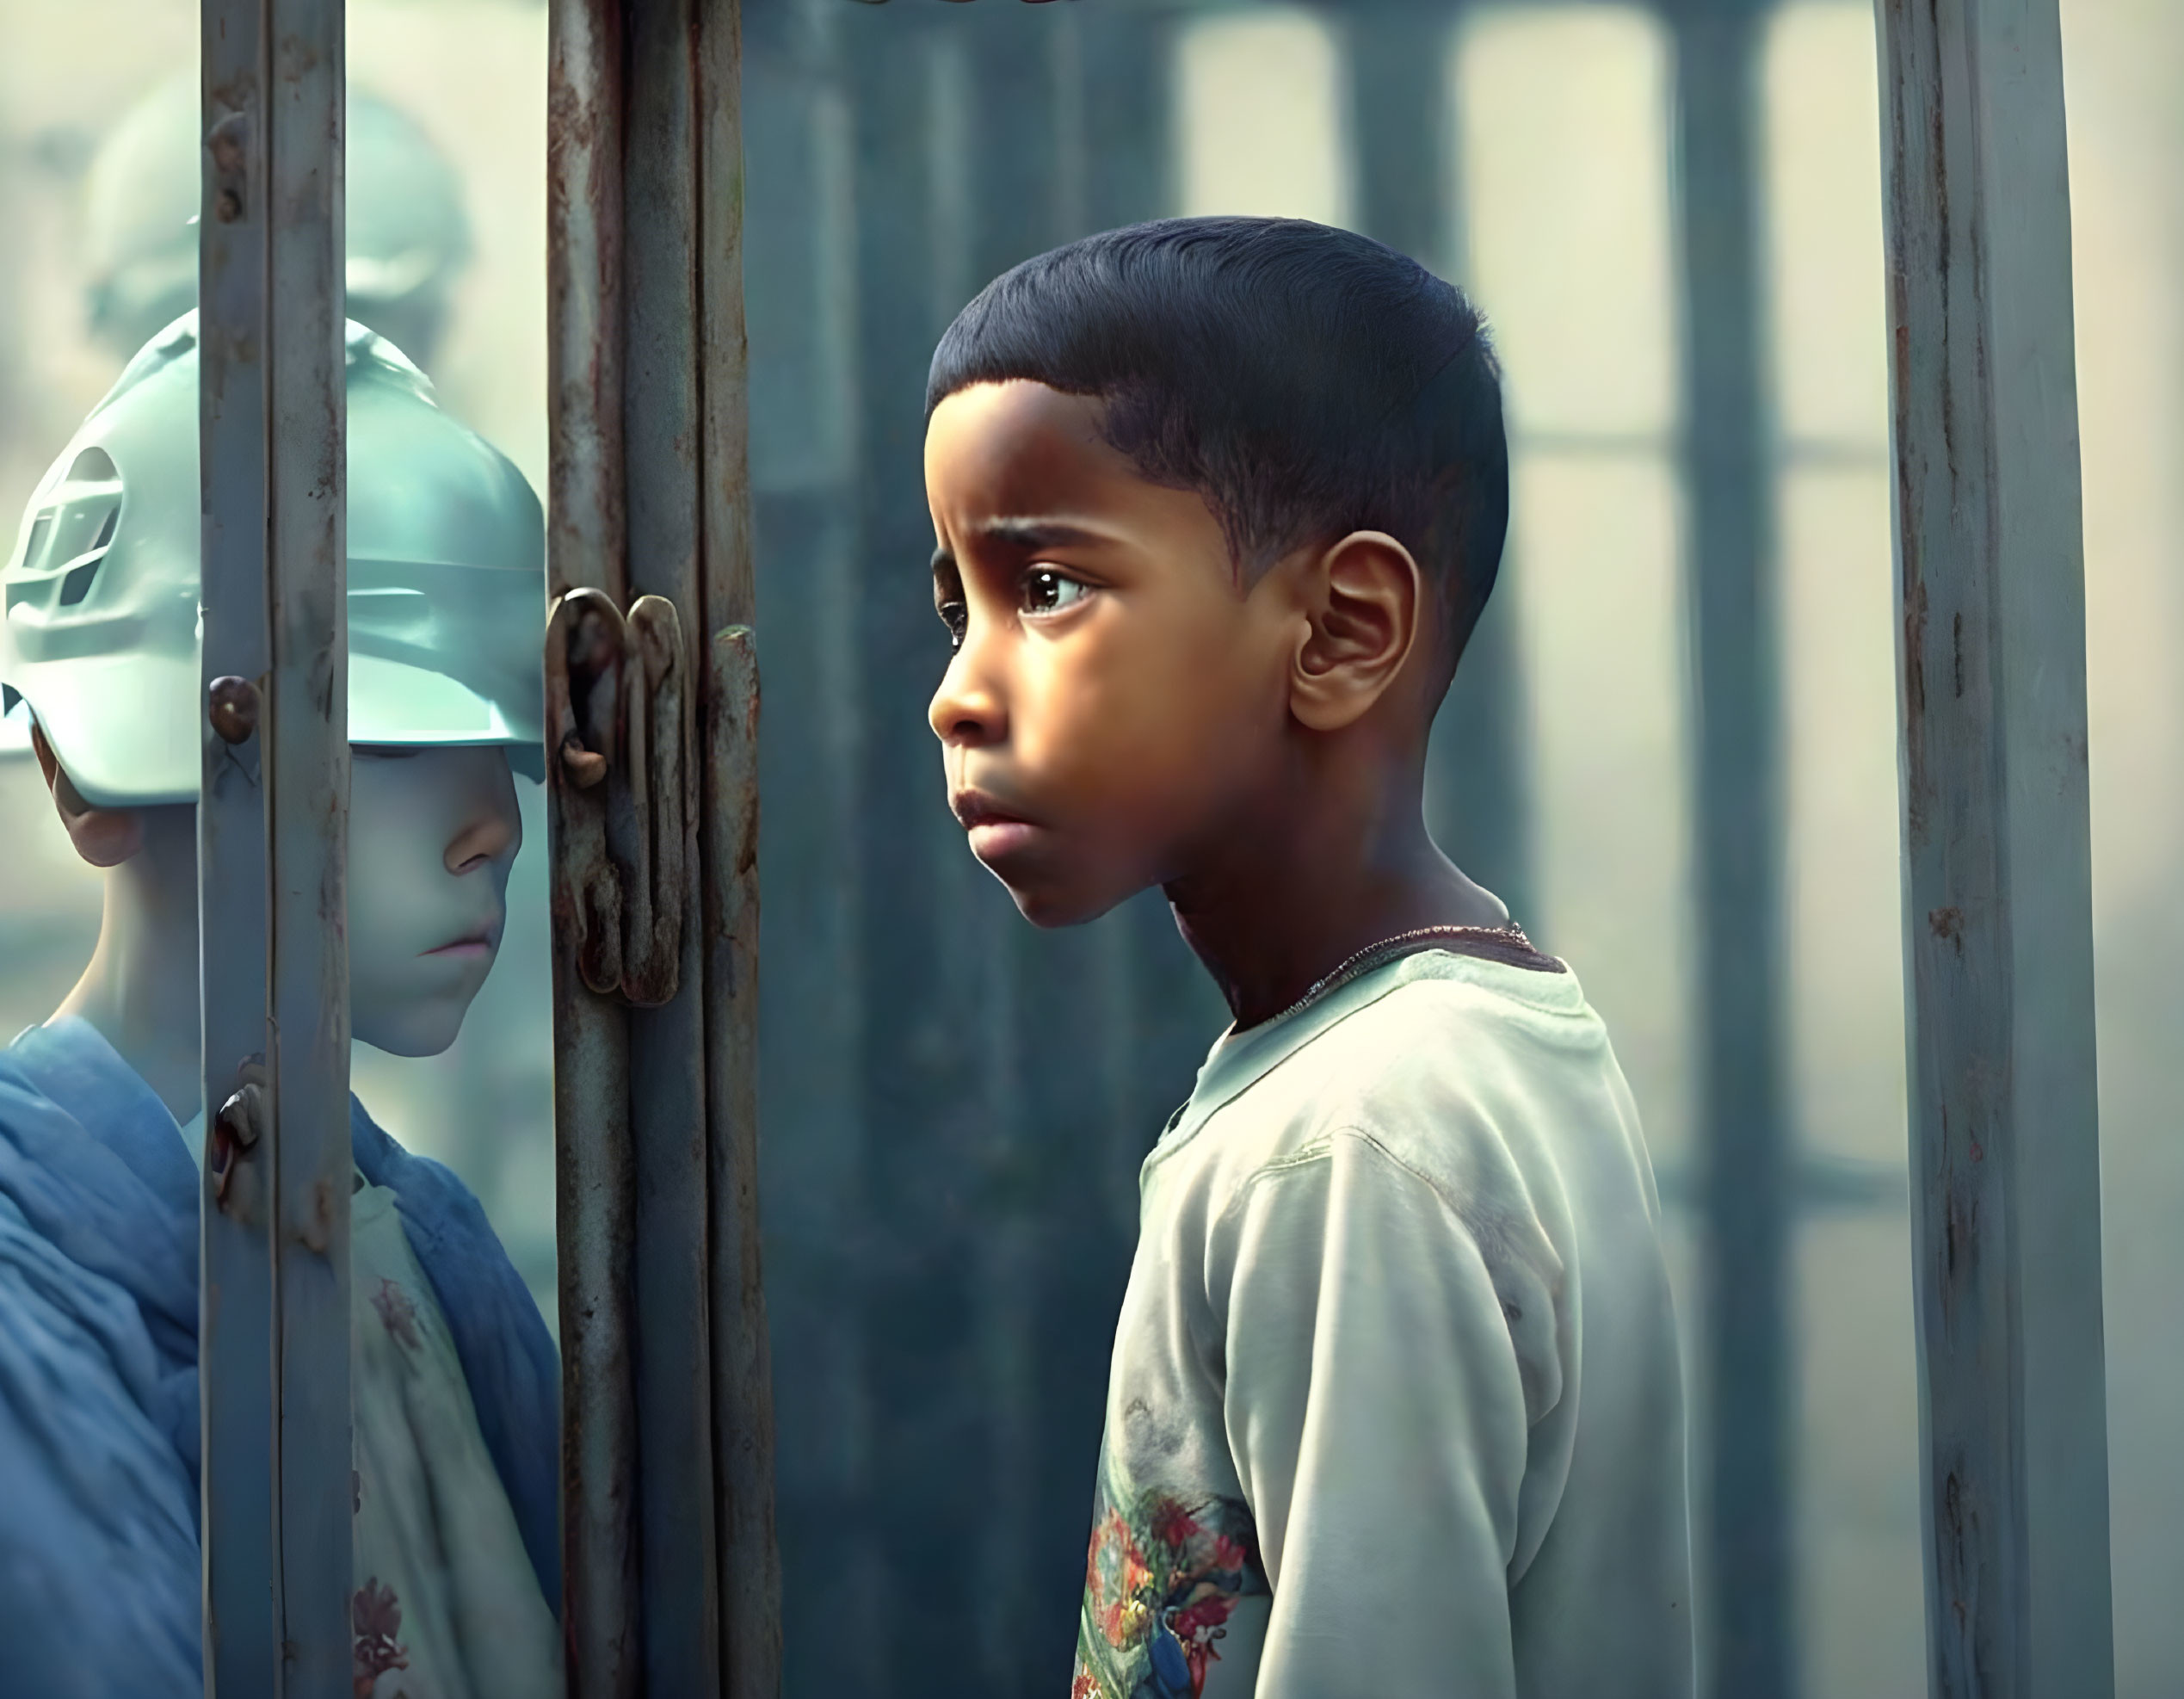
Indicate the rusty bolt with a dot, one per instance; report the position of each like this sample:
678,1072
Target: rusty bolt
235,1128
585,766
232,707
228,140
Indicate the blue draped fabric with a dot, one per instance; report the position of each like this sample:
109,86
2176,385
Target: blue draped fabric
99,1591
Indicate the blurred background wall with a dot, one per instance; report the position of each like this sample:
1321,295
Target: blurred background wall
1670,214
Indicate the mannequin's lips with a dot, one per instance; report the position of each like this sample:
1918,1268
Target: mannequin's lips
469,946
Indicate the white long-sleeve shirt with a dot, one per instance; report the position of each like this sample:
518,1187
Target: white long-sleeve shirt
1395,1407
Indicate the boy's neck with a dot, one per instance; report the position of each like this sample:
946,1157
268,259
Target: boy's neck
140,991
1330,873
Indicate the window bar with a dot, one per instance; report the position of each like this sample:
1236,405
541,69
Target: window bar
1401,134
663,447
271,825
1737,830
796,265
595,1204
905,1521
652,693
1997,907
727,756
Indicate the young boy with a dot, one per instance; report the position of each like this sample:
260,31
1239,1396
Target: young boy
1395,1407
455,1382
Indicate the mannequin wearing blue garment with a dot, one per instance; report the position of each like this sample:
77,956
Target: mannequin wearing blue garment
101,1133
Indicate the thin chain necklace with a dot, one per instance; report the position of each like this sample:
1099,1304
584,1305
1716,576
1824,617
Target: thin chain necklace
1401,944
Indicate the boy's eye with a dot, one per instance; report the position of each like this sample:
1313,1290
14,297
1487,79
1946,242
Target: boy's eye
956,616
1047,591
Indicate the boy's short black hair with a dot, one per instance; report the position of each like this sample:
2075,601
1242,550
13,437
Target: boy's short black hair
1307,381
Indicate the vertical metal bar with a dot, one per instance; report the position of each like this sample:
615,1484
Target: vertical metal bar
663,453
796,272
1401,137
236,1304
1998,944
275,970
1737,830
594,1176
913,1284
1126,60
670,1415
307,760
742,1401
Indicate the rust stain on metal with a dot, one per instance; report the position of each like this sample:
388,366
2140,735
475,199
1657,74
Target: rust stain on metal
229,143
1961,1236
1917,787
1947,925
296,58
315,1232
1955,1514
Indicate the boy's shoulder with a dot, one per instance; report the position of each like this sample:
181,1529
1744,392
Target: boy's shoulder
1471,1073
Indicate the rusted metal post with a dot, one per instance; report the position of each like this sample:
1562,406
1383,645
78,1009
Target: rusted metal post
273,828
743,1396
594,1177
652,691
1998,946
663,450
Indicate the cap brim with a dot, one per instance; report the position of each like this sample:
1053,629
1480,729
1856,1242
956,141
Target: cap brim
124,727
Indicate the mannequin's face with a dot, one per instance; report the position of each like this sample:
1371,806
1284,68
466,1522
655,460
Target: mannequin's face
431,836
432,833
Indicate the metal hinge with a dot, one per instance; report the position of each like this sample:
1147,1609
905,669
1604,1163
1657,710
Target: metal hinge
620,785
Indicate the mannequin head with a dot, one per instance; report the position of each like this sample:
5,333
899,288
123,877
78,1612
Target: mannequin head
103,640
433,832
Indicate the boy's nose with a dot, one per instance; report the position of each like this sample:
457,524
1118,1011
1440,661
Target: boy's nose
965,709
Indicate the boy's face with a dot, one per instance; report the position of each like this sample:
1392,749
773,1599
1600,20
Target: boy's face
431,834
1116,698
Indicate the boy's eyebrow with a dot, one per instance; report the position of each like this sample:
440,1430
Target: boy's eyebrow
1026,536
1033,534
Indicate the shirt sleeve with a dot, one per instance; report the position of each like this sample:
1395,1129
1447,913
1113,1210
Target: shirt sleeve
1384,1359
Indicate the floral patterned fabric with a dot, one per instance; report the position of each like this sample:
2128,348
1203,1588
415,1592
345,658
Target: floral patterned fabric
1160,1580
447,1605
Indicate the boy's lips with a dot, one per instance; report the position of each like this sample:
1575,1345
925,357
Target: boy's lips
994,829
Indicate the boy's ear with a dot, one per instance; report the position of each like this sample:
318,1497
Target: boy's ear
105,837
1361,600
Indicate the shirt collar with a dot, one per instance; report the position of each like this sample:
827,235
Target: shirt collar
1239,1060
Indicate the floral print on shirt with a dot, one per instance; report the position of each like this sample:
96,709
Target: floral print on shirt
1163,1574
376,1615
398,1312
